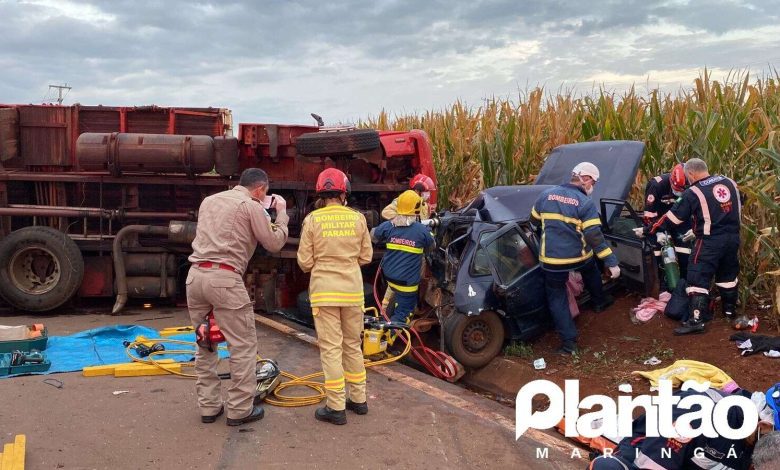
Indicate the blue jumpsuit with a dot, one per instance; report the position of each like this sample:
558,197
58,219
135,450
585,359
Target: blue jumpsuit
571,233
402,263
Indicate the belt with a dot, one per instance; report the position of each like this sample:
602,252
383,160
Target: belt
209,264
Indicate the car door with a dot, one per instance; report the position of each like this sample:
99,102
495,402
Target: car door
512,257
635,255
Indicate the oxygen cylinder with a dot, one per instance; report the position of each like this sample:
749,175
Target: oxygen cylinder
671,267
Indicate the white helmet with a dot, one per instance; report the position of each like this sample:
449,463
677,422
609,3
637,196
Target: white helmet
586,169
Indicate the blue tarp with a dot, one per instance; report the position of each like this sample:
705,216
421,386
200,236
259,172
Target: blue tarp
101,346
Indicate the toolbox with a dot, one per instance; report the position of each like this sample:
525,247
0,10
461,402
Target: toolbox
7,369
38,343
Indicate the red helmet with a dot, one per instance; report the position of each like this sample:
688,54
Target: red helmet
332,180
677,179
425,181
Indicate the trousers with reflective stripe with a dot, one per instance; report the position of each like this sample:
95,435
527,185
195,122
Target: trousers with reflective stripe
338,336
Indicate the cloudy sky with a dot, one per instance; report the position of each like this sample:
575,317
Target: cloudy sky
277,61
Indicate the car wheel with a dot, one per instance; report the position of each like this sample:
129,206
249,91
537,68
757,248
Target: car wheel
474,340
337,142
40,268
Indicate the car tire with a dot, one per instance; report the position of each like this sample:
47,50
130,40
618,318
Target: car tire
474,340
337,142
40,269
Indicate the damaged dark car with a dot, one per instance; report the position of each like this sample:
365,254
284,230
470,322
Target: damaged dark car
486,283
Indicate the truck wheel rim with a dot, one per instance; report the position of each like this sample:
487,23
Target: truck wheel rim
34,270
476,336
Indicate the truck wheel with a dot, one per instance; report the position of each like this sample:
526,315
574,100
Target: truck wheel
40,268
337,142
474,340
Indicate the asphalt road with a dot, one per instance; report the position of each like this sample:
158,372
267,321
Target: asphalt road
415,421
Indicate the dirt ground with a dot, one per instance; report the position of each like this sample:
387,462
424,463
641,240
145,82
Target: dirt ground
612,347
415,421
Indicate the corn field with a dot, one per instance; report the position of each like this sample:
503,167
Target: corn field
733,125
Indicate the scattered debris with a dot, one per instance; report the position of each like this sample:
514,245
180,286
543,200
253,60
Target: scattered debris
540,364
653,361
120,392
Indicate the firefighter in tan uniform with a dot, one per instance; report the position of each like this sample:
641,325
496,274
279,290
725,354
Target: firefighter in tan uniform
334,244
422,185
230,225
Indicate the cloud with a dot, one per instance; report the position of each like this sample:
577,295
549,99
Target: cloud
278,61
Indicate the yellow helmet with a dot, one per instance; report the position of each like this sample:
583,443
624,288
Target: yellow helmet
409,203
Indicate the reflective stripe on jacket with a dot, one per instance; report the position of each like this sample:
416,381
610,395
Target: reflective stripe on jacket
334,244
571,229
403,260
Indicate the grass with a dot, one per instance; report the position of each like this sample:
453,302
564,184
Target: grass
733,124
519,349
657,349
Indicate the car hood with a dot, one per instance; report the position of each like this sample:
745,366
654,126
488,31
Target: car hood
617,161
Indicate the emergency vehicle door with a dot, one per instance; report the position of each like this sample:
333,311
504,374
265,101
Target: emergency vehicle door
511,257
634,254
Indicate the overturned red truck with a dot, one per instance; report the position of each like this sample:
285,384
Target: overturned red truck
100,201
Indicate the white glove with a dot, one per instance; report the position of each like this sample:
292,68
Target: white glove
614,272
280,203
427,222
639,232
661,237
689,235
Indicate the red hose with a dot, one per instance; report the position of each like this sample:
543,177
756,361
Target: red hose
438,363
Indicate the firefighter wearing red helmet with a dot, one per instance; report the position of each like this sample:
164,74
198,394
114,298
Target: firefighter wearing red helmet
661,192
423,185
334,244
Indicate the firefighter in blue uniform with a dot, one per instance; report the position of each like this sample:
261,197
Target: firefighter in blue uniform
712,205
406,239
661,192
571,233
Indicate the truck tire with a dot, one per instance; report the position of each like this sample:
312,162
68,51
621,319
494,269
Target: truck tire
337,142
474,340
40,269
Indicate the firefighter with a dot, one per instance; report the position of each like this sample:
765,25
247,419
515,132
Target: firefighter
422,185
661,193
230,225
334,244
571,233
713,206
406,240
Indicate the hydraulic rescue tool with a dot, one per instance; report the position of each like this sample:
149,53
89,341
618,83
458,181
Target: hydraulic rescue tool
208,334
144,350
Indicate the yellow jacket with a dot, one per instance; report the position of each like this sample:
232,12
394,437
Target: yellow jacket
334,244
391,210
685,369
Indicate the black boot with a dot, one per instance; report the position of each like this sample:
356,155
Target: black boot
695,322
331,416
357,408
728,300
567,348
